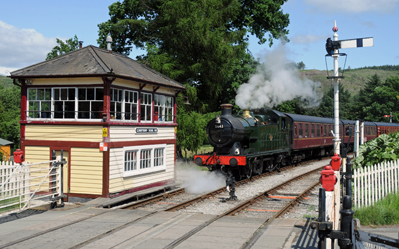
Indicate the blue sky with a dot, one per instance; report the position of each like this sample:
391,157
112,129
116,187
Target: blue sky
29,30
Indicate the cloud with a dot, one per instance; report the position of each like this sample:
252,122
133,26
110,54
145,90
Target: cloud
22,47
302,39
354,6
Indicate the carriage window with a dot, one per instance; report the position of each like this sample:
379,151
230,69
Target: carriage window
300,130
295,131
306,130
313,130
318,130
325,130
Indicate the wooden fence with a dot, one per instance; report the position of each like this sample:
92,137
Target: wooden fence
375,182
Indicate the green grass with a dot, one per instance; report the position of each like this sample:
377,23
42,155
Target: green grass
383,212
204,149
9,201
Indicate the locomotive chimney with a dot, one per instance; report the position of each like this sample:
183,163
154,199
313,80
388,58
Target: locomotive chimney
226,109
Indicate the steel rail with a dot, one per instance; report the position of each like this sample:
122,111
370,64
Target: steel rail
244,205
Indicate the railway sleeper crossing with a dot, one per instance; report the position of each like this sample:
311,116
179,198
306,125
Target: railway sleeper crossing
112,228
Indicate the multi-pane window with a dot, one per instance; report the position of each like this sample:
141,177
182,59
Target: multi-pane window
116,104
300,130
131,99
158,157
313,130
130,160
87,103
163,108
145,106
144,159
90,103
64,102
39,103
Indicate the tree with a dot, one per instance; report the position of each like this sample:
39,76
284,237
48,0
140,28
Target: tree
301,65
203,40
10,114
63,47
366,96
384,101
326,107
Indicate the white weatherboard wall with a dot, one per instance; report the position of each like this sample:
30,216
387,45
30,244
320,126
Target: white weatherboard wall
126,133
118,183
375,182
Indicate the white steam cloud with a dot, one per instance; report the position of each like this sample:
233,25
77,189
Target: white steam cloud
196,181
276,80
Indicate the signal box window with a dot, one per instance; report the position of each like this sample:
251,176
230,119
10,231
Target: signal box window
116,104
145,106
90,103
64,103
39,103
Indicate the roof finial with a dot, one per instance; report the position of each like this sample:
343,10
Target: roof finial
109,41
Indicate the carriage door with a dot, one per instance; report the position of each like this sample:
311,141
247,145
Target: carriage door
65,169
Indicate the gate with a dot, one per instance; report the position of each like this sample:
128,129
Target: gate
28,185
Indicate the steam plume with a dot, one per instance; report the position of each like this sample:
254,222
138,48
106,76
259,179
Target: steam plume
196,181
276,81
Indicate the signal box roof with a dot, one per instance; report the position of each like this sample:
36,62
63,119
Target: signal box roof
92,61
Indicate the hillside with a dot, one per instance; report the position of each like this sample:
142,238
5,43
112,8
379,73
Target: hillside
354,80
5,81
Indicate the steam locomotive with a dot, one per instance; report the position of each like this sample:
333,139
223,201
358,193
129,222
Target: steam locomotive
261,140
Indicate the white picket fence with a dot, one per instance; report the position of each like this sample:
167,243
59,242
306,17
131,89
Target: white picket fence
375,182
27,185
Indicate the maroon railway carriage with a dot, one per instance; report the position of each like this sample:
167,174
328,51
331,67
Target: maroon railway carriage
385,128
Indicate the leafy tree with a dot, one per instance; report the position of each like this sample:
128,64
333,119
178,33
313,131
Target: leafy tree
301,65
203,40
384,100
365,96
326,107
63,47
10,114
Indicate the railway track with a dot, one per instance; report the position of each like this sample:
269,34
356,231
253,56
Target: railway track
103,212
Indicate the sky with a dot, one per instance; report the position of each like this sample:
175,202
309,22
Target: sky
28,30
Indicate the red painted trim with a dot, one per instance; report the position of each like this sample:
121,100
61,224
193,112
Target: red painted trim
48,122
106,173
139,143
65,144
24,93
60,143
69,163
221,160
111,123
156,184
84,195
78,86
97,75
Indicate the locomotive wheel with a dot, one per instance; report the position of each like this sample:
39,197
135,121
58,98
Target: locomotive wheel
248,172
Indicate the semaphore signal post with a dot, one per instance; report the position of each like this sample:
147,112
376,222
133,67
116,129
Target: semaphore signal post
333,198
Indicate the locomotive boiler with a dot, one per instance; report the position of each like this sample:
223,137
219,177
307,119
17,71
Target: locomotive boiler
249,143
